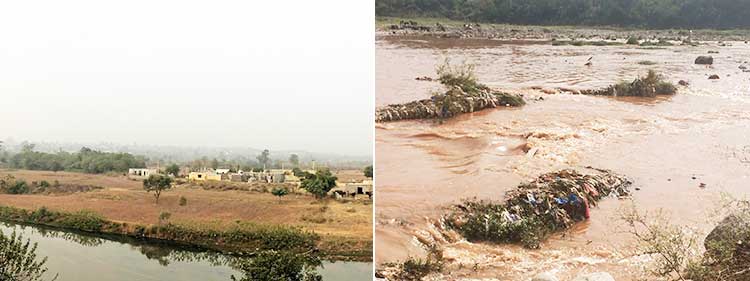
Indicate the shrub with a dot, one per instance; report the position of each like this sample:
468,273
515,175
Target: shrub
415,269
650,85
461,76
279,192
11,185
164,217
632,41
183,201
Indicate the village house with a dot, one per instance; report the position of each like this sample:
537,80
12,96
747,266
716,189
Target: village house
353,190
204,176
138,173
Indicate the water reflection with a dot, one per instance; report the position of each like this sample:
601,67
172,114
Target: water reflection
82,256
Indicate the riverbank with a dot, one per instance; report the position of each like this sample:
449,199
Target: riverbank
343,230
447,28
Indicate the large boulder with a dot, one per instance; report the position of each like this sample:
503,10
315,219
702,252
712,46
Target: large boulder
733,232
704,60
728,246
597,276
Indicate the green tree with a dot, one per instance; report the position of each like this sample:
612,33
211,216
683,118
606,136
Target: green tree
18,259
280,192
157,184
214,164
85,160
263,158
297,172
172,170
294,159
368,171
319,183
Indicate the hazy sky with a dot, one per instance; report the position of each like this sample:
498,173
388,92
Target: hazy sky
262,74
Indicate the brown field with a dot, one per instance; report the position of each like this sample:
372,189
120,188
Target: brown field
124,200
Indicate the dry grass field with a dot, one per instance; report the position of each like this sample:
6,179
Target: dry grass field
124,200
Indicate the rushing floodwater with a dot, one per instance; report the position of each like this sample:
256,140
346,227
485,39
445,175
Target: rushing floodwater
78,257
667,145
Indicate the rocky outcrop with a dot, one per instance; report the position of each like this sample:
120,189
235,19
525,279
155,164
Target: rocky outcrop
728,247
449,104
704,60
732,232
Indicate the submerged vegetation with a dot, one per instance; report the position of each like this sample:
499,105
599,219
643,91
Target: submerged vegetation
650,85
463,94
413,269
533,211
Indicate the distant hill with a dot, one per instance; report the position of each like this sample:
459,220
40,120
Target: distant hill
630,13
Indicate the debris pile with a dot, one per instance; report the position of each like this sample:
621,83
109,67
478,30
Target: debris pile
650,85
448,104
534,210
463,94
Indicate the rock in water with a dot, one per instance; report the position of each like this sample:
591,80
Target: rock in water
544,277
598,276
704,60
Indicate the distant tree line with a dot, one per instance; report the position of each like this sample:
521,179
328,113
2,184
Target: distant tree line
86,160
632,13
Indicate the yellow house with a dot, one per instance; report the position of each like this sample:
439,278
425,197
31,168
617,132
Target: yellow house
203,176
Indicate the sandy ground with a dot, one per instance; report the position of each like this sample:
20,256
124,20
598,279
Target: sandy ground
125,200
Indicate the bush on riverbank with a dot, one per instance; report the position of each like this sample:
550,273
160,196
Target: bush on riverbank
242,237
650,85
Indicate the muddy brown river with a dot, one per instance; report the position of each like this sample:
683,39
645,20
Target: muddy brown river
668,146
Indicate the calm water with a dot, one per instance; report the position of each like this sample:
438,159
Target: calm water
79,257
